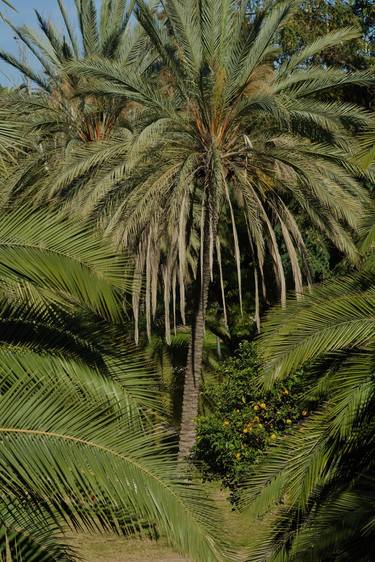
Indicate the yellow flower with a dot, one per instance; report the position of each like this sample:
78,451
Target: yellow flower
273,436
245,429
238,456
226,423
285,392
256,408
288,421
260,425
263,406
256,418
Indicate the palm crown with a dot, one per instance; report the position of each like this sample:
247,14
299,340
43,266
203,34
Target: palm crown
105,34
230,133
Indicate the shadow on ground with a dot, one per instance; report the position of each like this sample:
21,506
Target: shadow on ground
104,548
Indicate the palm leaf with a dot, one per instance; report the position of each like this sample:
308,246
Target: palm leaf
29,532
7,3
334,318
64,448
52,253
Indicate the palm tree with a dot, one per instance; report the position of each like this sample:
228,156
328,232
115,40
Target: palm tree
228,133
317,487
222,132
60,106
104,34
78,446
103,31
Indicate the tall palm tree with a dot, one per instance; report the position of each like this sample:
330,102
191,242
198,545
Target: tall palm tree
221,132
317,487
78,447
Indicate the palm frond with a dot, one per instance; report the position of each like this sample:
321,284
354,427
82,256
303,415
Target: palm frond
53,253
29,532
90,449
333,318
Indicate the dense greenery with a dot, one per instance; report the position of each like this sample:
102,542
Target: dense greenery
176,178
324,473
77,408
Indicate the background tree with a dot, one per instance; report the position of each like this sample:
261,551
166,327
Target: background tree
242,418
104,34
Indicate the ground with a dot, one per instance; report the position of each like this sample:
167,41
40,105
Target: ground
108,548
114,549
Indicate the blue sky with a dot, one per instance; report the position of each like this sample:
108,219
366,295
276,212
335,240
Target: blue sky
25,15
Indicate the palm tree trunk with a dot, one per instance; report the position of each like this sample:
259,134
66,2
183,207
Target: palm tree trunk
193,373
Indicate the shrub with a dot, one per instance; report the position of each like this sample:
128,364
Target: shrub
245,419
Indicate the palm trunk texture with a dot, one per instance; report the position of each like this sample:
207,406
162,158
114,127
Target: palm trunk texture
193,373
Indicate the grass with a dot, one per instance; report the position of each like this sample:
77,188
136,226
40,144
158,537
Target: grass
110,548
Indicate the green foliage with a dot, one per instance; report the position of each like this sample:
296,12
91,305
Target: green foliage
196,145
315,488
101,32
245,418
80,446
315,15
278,140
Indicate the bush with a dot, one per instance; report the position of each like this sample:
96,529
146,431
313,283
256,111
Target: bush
245,418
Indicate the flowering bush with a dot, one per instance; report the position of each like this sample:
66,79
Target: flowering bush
245,419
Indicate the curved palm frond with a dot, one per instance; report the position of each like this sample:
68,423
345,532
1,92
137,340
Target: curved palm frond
75,450
79,434
54,255
309,485
334,318
29,532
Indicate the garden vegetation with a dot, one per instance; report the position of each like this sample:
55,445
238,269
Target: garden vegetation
187,277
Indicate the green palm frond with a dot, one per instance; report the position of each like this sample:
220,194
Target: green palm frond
307,475
79,434
368,232
53,254
13,140
29,532
74,450
366,154
332,319
313,487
